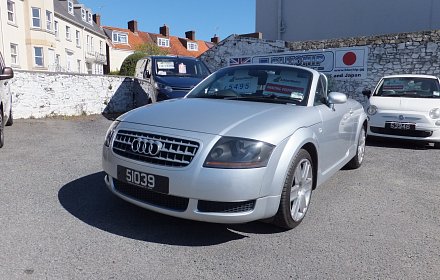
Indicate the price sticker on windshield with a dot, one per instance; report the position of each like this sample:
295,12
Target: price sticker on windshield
243,85
165,65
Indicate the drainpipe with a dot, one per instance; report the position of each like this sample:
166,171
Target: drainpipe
280,24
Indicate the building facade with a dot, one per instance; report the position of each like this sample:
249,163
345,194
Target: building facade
124,41
52,35
293,20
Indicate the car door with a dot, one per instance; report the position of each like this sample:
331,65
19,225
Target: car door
335,132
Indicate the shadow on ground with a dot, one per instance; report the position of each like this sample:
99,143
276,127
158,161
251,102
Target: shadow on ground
398,143
89,200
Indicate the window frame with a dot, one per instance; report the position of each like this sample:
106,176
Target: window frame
118,36
11,12
163,42
14,55
35,57
83,15
70,8
68,33
193,46
56,29
49,20
36,18
78,38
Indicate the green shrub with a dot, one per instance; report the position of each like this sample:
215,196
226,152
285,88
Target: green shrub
128,67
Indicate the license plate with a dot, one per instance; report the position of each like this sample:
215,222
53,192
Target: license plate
144,180
400,126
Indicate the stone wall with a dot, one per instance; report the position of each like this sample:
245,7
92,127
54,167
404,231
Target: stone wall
39,94
404,53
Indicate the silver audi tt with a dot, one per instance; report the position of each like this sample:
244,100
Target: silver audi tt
250,142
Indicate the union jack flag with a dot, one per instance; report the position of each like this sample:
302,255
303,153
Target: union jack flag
240,60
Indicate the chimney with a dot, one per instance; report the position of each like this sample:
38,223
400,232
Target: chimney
133,26
97,19
215,39
190,35
164,31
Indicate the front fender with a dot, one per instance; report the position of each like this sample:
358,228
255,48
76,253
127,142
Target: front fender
284,153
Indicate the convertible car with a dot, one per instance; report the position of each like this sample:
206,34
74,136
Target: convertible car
250,142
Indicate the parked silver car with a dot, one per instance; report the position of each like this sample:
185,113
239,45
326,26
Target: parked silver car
249,142
6,73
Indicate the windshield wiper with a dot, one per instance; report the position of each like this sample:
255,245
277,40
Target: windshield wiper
265,98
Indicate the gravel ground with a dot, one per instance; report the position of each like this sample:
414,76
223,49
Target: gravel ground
58,220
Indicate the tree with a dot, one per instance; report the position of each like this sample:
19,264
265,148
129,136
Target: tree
128,67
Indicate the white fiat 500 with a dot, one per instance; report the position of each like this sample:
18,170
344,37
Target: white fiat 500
249,142
407,107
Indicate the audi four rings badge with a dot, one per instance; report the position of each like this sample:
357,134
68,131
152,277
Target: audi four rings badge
146,146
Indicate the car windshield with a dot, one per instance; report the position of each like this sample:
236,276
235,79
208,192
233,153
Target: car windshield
259,83
409,87
178,66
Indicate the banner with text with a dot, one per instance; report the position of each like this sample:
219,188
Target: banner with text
341,64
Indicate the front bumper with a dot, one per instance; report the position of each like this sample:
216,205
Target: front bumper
426,128
195,209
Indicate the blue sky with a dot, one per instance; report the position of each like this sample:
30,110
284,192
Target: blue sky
206,17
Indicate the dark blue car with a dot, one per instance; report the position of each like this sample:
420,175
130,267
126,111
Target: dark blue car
171,76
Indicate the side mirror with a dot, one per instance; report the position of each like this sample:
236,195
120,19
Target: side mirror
7,73
336,98
367,93
147,74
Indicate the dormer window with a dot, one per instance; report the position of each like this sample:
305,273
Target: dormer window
191,46
70,6
163,42
89,17
120,38
83,14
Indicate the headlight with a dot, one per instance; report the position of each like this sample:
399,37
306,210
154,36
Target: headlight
110,132
434,113
160,86
372,110
238,153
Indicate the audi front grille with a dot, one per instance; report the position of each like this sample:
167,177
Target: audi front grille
173,151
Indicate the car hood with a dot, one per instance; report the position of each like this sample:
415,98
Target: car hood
266,122
179,81
405,103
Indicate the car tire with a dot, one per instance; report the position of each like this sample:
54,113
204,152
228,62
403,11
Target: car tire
10,120
297,192
357,160
2,130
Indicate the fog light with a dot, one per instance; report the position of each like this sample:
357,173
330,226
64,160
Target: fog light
437,123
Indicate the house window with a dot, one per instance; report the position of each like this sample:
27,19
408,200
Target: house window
78,41
83,14
56,29
88,43
92,49
100,47
14,54
192,46
89,17
69,61
78,62
68,35
49,20
70,6
163,42
11,11
38,56
36,17
120,38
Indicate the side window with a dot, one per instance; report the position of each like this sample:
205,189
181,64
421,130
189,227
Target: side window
320,92
147,69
